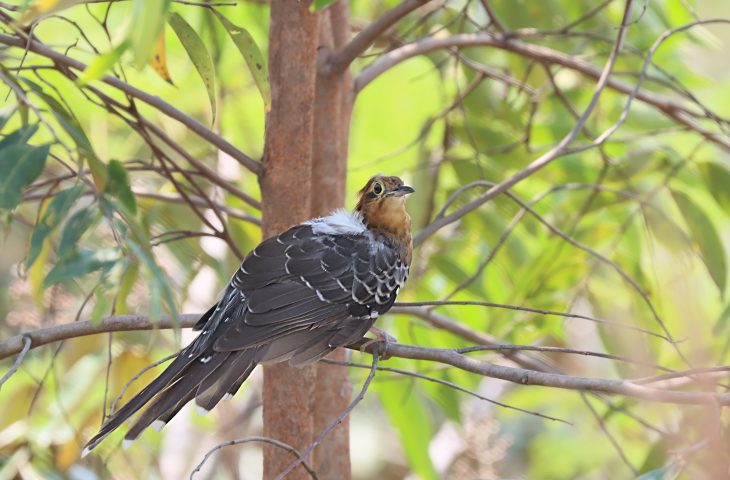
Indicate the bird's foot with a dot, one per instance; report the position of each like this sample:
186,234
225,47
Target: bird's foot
381,341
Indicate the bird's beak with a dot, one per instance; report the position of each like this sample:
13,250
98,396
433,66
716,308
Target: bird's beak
402,190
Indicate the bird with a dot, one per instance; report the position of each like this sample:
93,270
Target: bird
297,296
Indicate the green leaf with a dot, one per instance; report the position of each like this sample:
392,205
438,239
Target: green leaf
52,218
21,135
20,164
320,4
118,185
74,229
705,235
148,20
717,179
409,417
77,265
129,278
67,121
198,55
252,55
73,127
665,231
102,64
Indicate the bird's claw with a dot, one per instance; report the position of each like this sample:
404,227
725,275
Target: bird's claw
381,342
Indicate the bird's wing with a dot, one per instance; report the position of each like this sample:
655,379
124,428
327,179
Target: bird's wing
306,288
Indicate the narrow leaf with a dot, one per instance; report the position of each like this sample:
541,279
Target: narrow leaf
148,20
74,229
73,127
22,135
78,265
705,235
198,55
158,62
118,185
252,55
102,64
717,179
52,218
125,288
20,164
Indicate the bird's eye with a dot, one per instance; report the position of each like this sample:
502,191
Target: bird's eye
377,188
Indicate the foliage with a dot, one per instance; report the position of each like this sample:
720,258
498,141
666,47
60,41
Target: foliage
110,206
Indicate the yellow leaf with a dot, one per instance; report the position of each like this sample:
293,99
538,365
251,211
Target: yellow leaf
41,8
159,60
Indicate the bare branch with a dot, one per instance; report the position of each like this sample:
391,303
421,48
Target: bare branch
117,323
555,380
362,41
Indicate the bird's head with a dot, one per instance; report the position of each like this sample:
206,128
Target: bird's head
382,205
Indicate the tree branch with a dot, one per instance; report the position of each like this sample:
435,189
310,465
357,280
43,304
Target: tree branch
155,102
362,41
451,357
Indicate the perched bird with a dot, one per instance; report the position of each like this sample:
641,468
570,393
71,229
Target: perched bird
297,296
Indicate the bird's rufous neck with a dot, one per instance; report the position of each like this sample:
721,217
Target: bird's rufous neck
390,218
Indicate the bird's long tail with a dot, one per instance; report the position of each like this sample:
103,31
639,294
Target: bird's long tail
197,372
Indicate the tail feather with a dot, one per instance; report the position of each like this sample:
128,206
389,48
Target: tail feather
167,400
237,369
171,373
165,418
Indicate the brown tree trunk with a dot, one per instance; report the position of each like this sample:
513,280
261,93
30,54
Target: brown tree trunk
333,105
285,189
304,174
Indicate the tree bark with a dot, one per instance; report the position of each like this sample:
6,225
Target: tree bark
333,105
285,189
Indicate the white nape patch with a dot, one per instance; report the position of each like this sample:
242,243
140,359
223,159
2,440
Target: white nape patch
227,396
127,442
339,222
201,411
158,425
85,452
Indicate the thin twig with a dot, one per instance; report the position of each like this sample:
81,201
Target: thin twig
447,384
18,361
271,441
